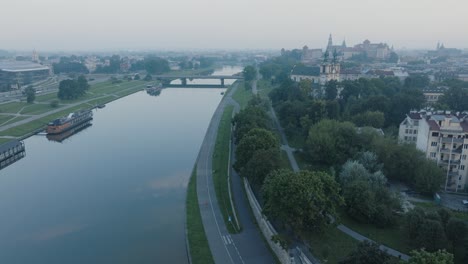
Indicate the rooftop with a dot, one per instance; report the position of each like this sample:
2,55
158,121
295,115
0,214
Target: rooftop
305,70
19,66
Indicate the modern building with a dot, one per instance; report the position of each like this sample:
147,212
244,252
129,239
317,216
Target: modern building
15,74
443,136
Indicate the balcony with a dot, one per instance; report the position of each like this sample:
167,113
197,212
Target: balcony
452,162
453,151
455,140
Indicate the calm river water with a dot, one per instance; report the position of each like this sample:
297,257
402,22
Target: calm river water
112,193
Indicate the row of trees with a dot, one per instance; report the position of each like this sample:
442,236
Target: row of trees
69,65
72,88
303,202
370,253
331,143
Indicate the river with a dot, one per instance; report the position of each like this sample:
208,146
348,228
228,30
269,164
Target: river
115,191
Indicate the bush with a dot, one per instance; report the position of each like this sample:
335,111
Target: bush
54,103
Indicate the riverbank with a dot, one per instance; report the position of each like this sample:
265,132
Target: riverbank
21,120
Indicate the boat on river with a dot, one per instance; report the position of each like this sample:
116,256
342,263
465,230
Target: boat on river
68,122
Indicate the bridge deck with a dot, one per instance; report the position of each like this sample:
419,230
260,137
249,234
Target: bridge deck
198,77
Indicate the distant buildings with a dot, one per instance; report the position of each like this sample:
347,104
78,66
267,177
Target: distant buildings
375,51
443,136
322,74
14,74
442,51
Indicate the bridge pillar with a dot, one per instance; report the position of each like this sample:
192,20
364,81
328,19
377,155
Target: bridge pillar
222,82
184,81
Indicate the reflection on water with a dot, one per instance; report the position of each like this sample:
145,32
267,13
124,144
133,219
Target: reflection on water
112,193
11,152
62,136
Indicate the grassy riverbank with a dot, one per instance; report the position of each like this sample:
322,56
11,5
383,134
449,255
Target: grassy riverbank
199,249
221,167
100,93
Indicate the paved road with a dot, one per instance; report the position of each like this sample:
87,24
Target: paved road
246,247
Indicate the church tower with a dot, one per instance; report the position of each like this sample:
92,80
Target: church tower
35,56
330,43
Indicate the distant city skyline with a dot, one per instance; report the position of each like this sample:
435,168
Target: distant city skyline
87,25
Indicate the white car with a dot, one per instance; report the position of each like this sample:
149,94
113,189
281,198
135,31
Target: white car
465,202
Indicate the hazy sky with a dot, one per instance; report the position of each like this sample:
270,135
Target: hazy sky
228,24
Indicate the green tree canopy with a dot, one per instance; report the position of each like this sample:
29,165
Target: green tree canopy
304,201
250,73
256,139
423,257
367,253
30,94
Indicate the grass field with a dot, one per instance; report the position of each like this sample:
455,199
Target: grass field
393,237
13,107
220,169
24,129
199,248
96,90
332,245
242,95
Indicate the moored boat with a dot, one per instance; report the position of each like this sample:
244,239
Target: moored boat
68,122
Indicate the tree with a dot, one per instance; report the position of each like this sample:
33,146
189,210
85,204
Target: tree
331,142
249,73
369,118
148,78
263,162
424,257
355,171
136,77
304,201
456,231
54,103
367,253
331,90
256,139
156,65
456,98
30,94
72,89
428,177
249,118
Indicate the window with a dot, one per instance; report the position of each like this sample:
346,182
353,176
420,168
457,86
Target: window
435,134
465,146
406,138
415,138
462,167
463,157
433,154
434,144
415,131
406,131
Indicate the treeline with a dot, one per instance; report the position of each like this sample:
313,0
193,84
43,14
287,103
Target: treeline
69,65
72,88
152,65
302,202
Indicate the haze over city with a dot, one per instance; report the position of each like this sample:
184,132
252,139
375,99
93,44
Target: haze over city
243,24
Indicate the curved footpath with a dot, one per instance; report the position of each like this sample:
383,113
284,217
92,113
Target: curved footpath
247,246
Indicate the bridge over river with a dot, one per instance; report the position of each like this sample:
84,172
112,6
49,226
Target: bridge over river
166,79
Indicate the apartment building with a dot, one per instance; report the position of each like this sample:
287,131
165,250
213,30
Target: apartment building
443,136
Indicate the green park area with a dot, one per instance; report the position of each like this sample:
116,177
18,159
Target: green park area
48,107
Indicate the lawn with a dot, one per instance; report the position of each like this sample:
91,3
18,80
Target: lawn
264,87
393,237
428,206
285,161
242,95
16,119
332,245
24,129
199,248
5,118
13,107
35,109
221,167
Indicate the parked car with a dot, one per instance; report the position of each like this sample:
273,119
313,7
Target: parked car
465,202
